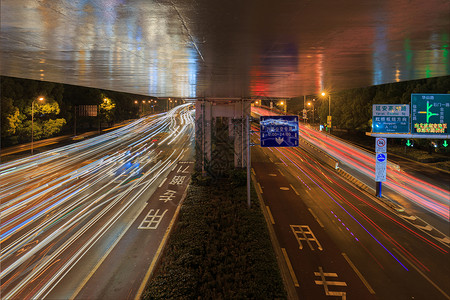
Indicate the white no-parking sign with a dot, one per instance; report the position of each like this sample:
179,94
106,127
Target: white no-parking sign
380,145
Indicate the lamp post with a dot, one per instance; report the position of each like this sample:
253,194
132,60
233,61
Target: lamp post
329,109
283,105
32,121
309,104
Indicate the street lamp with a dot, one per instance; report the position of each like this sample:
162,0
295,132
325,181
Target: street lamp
283,105
329,109
32,121
309,104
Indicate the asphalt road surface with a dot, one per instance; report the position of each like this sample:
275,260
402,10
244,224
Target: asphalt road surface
66,210
340,240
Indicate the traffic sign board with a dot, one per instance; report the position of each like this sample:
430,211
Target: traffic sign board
430,113
381,157
380,167
380,145
390,118
279,131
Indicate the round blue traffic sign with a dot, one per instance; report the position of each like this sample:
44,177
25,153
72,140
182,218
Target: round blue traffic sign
381,157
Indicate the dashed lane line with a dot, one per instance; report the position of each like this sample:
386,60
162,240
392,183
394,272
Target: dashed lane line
259,188
164,180
294,190
315,217
270,215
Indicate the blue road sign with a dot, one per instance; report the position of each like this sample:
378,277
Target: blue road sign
279,131
381,157
430,113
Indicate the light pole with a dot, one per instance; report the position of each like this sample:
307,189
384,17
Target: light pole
143,107
329,109
283,105
137,103
32,122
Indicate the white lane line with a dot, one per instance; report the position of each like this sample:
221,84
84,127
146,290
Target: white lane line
291,270
366,283
83,283
162,182
294,190
423,275
315,217
160,248
270,215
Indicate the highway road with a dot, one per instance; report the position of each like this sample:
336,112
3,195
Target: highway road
65,211
340,240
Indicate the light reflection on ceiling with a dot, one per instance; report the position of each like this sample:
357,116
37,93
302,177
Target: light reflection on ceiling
204,48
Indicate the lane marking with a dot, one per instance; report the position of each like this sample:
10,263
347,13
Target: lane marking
294,190
290,288
164,180
412,218
366,283
283,188
259,187
423,275
270,215
304,233
315,217
326,283
83,283
160,248
253,172
291,270
281,172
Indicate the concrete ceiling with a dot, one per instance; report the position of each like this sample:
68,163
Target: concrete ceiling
225,48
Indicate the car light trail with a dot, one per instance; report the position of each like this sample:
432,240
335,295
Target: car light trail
54,205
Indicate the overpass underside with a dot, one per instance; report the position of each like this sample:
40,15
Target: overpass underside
222,135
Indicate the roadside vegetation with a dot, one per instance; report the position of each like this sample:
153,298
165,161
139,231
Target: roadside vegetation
219,248
54,106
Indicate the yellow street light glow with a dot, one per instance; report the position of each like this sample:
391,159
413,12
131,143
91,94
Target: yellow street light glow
323,94
41,98
309,103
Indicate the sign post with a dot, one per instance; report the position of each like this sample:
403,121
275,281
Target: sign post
380,172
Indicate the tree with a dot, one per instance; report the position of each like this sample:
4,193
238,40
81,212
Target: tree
107,108
10,117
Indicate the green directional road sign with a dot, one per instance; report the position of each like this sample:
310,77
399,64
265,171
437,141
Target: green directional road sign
445,144
430,113
408,143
